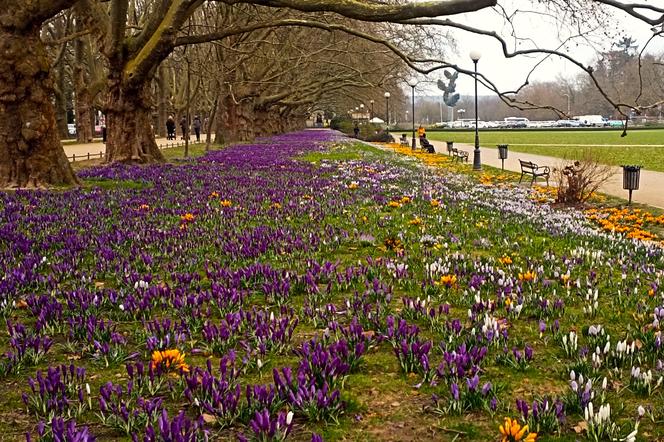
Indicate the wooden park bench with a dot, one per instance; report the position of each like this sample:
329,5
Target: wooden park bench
404,141
459,155
530,168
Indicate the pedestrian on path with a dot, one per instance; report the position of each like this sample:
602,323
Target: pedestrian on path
183,126
197,128
170,128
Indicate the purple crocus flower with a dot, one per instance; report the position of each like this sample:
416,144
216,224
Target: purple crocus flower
454,389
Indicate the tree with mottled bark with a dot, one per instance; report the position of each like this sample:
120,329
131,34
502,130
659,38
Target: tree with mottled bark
31,154
134,51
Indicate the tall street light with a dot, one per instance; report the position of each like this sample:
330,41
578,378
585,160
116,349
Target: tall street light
475,55
387,111
371,116
569,110
412,83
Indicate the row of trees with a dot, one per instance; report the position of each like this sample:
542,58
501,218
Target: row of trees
255,67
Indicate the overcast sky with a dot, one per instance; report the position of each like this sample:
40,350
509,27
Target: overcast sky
541,30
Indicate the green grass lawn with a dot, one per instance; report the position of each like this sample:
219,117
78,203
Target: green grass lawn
557,137
643,147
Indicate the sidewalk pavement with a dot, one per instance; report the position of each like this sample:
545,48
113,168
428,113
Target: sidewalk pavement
651,183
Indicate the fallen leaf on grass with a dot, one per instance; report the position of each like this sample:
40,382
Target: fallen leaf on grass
208,418
581,427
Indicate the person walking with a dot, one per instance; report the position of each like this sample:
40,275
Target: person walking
183,126
197,128
170,128
356,131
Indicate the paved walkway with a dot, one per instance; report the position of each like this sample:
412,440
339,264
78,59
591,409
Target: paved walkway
651,183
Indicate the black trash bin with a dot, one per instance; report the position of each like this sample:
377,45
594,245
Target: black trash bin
502,153
631,177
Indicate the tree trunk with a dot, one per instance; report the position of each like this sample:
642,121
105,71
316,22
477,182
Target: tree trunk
211,120
61,102
83,105
261,122
218,122
162,105
31,154
236,121
130,137
84,115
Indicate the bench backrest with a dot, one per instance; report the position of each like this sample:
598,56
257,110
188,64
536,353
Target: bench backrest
528,165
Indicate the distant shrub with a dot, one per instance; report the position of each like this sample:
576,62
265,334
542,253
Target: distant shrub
341,124
380,137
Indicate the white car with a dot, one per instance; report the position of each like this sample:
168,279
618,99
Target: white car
71,128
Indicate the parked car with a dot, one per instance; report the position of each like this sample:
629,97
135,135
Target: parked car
71,128
516,122
592,120
568,123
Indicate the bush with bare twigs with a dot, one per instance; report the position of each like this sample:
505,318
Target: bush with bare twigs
580,179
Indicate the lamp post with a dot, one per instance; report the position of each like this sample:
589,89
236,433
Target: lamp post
387,111
441,112
412,83
569,109
475,55
371,115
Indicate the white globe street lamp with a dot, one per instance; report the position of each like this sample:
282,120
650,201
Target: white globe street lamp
475,55
387,111
412,82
